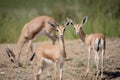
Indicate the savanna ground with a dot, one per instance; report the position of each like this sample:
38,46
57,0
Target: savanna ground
74,69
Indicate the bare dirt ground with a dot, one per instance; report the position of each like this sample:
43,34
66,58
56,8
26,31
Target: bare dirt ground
74,69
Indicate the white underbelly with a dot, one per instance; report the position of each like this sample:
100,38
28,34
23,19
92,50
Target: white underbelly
48,61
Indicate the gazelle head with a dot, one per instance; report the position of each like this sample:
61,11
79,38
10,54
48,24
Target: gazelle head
61,29
78,27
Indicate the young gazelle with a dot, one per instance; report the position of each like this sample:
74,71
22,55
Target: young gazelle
31,31
48,53
95,41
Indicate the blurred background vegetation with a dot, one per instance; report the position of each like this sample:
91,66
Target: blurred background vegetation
103,16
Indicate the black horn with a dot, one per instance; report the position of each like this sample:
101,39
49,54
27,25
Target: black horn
7,52
10,51
10,54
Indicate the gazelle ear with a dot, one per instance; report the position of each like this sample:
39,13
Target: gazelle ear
68,22
84,20
53,25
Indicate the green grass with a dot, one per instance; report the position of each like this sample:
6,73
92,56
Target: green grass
103,16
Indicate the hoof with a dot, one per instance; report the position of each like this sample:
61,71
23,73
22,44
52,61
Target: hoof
86,75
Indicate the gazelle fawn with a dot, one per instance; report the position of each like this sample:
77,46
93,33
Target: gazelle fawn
51,54
32,30
95,41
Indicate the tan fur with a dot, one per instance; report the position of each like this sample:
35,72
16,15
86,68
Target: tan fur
92,37
48,51
55,53
33,27
29,32
94,41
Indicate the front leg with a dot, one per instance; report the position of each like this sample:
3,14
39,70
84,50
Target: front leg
29,51
55,71
61,71
17,51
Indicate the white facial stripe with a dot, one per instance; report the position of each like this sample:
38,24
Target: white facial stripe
61,31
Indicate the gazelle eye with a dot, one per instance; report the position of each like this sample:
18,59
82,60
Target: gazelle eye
63,29
74,27
57,30
71,23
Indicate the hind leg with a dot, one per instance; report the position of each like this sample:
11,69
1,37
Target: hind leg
102,62
88,66
97,63
38,70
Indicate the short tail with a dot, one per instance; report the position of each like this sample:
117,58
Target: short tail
97,44
32,56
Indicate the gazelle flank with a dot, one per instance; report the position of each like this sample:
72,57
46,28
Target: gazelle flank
51,54
95,41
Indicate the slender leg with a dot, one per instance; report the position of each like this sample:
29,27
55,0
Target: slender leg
49,75
55,71
37,75
38,70
29,51
89,53
102,62
45,66
17,51
97,63
61,70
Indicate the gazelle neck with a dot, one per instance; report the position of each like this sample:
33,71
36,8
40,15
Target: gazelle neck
82,35
62,46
